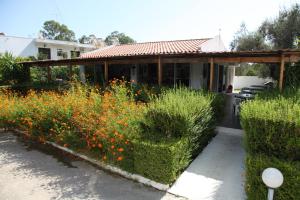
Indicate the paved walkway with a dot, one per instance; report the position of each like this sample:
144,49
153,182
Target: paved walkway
26,173
218,172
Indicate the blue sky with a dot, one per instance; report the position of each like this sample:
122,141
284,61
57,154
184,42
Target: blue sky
143,20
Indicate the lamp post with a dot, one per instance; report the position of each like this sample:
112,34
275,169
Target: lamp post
273,179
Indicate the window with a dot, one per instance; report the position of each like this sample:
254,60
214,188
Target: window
44,53
182,74
61,53
75,54
147,73
168,74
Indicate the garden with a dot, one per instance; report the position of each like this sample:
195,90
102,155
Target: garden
154,133
272,126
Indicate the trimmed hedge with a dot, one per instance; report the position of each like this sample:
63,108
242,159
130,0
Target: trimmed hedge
256,189
160,162
175,128
272,127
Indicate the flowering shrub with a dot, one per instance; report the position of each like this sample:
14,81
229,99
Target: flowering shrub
155,139
82,118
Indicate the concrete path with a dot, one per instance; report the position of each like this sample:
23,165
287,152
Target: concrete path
218,172
27,173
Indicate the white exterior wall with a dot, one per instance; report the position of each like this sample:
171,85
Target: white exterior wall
196,75
18,46
246,81
213,45
24,47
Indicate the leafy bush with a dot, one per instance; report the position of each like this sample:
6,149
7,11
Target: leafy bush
175,128
162,161
157,140
256,189
81,118
272,127
11,72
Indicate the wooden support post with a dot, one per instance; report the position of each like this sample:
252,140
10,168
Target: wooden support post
281,75
211,75
106,72
159,71
49,73
70,72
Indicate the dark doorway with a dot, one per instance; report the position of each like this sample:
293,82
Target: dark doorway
119,72
147,74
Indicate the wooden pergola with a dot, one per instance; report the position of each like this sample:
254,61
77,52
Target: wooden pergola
279,57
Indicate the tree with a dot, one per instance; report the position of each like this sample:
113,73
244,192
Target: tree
84,39
248,41
284,30
55,31
11,72
121,37
87,39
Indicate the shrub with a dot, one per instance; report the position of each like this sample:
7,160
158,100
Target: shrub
161,162
157,140
11,72
82,118
175,128
256,189
272,127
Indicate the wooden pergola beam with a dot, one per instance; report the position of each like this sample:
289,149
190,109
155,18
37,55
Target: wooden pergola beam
281,75
211,77
219,57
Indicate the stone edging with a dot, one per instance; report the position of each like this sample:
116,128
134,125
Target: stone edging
110,168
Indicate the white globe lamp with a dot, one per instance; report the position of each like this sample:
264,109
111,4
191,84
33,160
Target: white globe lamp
273,179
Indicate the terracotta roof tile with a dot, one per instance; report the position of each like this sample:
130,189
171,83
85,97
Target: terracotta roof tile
148,48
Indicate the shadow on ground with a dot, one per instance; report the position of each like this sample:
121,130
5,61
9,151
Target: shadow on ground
28,173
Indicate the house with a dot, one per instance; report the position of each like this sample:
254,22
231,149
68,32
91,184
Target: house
189,72
42,48
198,63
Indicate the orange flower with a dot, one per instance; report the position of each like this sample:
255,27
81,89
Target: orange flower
120,149
65,145
112,140
104,158
120,158
112,147
100,146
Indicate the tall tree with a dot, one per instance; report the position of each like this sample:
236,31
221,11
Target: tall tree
121,37
248,41
281,32
55,31
87,39
284,30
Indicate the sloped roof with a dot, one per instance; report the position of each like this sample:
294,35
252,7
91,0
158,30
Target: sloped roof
148,48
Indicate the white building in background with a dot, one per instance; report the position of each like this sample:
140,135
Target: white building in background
42,48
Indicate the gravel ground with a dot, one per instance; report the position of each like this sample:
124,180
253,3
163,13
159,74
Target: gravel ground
32,173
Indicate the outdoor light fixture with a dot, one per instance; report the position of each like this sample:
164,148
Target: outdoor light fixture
273,179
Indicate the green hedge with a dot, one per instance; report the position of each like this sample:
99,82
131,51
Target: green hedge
255,188
175,128
272,127
160,162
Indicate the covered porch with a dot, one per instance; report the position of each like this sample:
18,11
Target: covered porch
212,71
